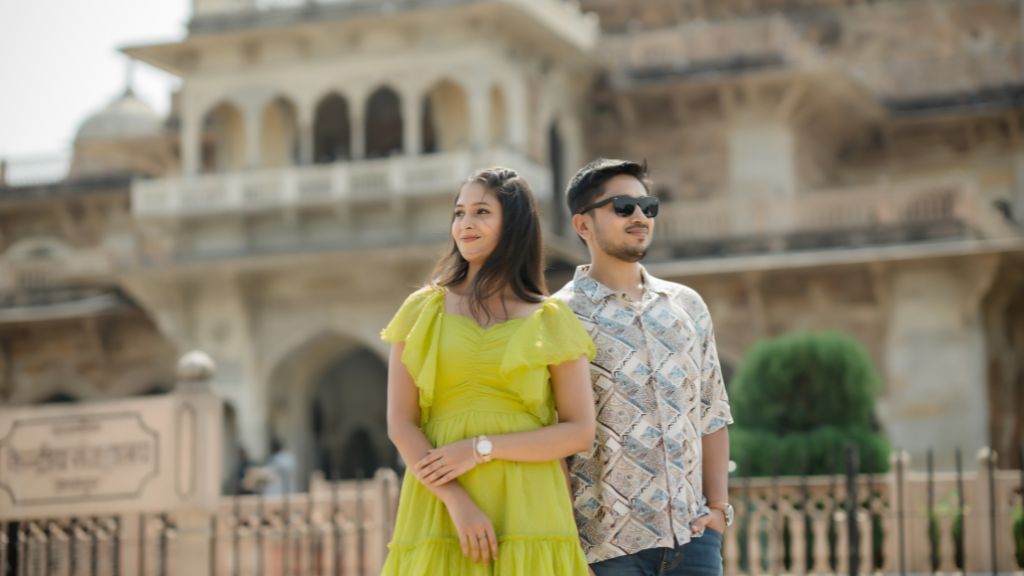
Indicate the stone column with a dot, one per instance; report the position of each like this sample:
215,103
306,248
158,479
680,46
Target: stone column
253,136
412,123
935,367
517,121
305,117
572,134
1018,200
357,120
191,144
761,155
479,114
222,324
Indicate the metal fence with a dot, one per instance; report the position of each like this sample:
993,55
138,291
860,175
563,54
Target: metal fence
904,521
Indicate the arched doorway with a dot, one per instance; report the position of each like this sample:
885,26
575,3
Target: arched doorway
280,134
383,124
223,139
445,118
556,161
327,402
348,412
332,133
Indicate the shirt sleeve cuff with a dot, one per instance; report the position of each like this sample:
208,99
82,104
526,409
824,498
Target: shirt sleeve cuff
715,424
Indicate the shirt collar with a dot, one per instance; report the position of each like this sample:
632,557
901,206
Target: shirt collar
598,292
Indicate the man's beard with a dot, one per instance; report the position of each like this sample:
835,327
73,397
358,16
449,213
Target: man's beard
622,251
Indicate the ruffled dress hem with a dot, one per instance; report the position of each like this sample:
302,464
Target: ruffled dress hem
517,556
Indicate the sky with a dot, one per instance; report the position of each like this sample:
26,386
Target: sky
59,63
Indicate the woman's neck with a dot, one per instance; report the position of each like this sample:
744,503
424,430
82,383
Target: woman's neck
499,301
471,273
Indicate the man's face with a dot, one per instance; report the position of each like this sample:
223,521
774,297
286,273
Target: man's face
623,237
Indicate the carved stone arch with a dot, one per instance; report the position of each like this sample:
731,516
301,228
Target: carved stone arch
445,115
384,132
332,127
279,133
38,248
327,399
223,146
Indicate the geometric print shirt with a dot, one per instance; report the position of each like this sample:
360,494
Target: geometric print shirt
658,389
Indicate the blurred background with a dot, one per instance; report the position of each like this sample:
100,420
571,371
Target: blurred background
842,181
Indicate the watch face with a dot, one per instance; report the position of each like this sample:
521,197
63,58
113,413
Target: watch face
484,447
729,515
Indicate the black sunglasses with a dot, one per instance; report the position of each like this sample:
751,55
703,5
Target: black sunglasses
625,205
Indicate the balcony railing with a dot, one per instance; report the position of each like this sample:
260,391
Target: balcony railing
31,275
701,43
948,206
907,77
34,170
308,186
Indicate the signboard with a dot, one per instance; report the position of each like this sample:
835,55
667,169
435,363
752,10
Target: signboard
131,455
70,458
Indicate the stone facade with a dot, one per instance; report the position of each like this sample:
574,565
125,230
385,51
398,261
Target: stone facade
821,168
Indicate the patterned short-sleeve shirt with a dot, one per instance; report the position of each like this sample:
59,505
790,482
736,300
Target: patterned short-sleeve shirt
659,389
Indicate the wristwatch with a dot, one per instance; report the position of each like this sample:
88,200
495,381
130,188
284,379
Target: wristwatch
483,448
726,509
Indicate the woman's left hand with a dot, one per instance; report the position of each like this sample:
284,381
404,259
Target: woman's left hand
442,465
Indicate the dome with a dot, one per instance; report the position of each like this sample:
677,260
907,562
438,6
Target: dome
125,117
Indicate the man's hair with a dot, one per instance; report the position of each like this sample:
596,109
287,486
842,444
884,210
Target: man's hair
589,182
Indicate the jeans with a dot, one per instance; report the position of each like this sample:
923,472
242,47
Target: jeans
701,556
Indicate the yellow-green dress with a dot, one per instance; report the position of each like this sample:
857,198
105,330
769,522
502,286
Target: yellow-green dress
493,380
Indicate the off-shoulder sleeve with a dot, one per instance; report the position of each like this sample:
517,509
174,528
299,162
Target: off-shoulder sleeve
549,336
417,324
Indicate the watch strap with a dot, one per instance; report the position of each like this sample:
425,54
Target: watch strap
726,509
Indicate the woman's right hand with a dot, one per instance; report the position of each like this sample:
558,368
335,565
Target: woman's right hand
476,532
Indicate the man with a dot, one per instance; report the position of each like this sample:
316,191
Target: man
652,495
282,468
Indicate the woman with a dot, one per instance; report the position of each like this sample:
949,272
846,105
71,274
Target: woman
488,389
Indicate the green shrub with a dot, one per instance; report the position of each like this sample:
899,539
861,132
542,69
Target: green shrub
799,401
1018,535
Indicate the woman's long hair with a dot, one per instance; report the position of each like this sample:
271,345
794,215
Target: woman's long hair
517,261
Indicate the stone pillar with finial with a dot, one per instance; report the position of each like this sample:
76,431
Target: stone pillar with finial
979,531
199,430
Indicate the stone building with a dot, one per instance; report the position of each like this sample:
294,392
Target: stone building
823,164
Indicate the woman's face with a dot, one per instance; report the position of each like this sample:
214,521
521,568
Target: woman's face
476,227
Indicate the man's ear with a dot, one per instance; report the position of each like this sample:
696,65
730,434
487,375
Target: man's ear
583,226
